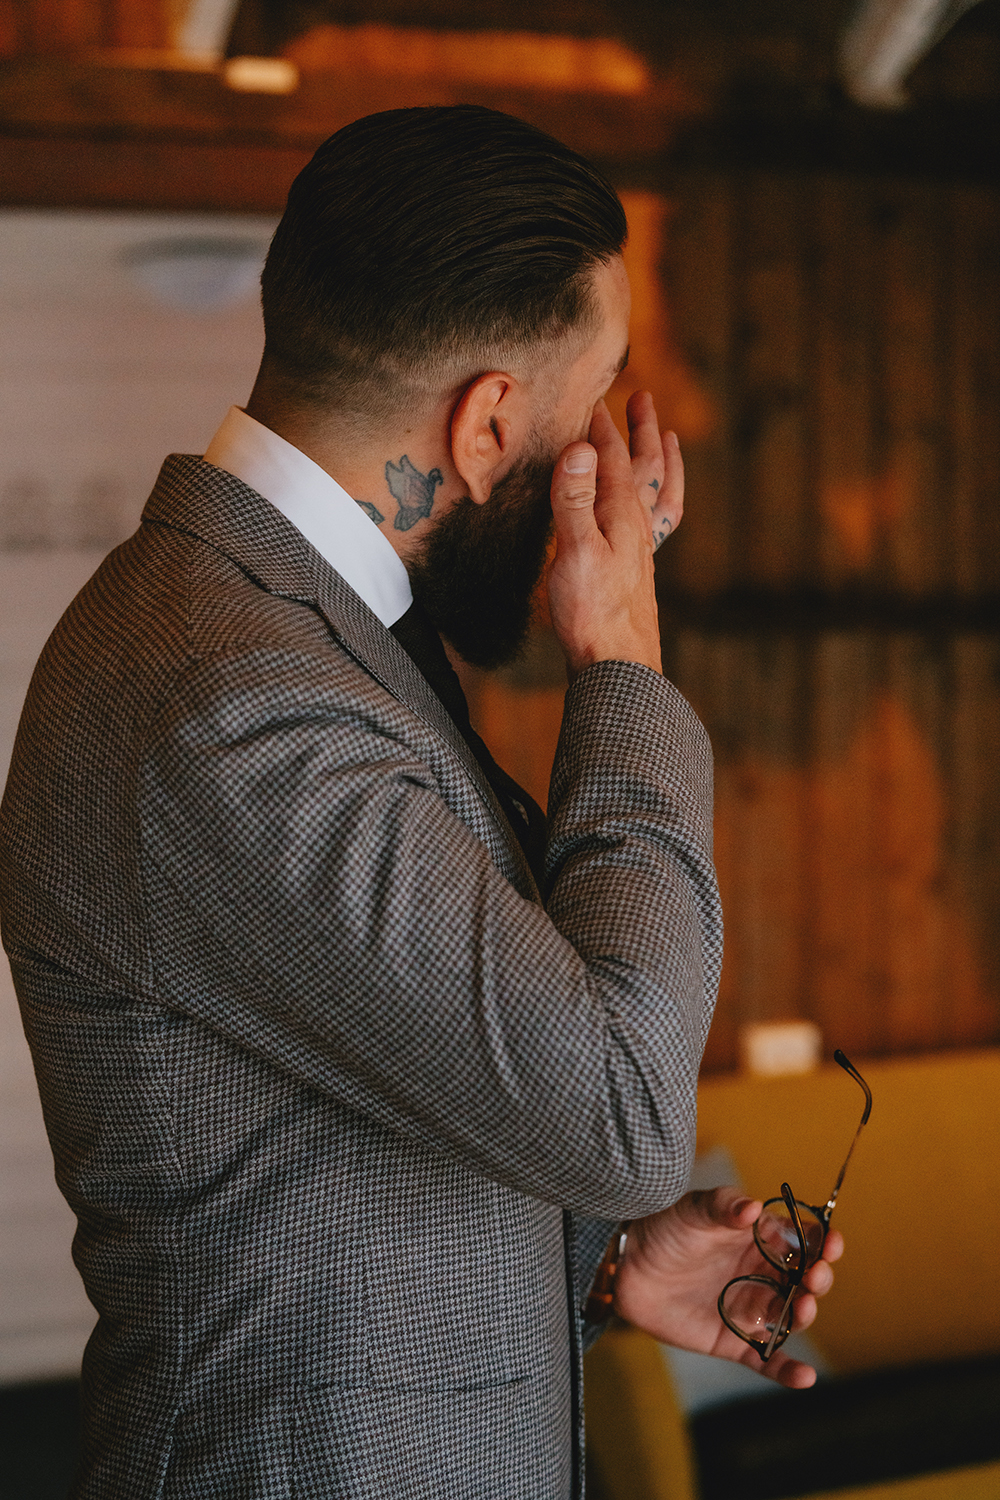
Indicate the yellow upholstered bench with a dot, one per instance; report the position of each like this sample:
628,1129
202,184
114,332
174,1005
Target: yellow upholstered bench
920,1206
920,1209
639,1447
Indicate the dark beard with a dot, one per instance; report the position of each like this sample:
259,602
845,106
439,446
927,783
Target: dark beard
478,568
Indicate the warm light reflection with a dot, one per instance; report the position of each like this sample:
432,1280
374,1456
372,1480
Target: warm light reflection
889,930
859,511
656,362
520,59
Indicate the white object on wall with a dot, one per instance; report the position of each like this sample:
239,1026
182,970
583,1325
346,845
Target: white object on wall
885,39
773,1049
98,382
202,27
260,75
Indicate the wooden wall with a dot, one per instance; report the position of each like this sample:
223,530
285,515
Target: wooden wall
826,343
54,26
829,349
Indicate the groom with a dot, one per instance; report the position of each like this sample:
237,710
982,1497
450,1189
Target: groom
353,1062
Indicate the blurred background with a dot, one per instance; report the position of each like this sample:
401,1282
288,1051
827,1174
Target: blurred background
813,193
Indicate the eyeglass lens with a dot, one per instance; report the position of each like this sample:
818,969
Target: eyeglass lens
755,1307
777,1239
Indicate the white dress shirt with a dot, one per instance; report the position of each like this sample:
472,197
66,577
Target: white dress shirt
317,506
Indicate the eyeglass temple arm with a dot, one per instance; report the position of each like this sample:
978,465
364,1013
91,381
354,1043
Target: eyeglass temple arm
848,1067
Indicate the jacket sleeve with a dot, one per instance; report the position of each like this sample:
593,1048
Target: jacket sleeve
313,893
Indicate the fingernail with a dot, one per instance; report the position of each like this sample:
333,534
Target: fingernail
674,439
581,462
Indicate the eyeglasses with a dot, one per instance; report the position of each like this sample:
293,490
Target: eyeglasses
790,1236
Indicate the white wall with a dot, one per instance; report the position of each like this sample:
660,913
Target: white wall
98,382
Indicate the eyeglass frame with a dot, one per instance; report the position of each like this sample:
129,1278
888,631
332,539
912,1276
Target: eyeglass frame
792,1276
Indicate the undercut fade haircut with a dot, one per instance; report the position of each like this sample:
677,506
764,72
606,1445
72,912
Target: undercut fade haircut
422,247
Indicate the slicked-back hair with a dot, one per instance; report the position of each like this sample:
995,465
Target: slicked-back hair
421,247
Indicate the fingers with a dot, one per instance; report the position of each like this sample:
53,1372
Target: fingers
834,1246
728,1207
616,492
732,1207
574,490
666,516
644,443
657,467
804,1312
601,584
818,1279
736,1209
587,472
791,1373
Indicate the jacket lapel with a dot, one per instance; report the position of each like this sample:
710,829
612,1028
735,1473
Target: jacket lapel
193,496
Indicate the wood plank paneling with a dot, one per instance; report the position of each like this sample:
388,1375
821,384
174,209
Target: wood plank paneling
656,363
772,430
857,817
917,441
10,29
48,26
857,831
844,311
972,398
51,27
832,600
85,173
140,23
845,331
698,269
844,912
78,97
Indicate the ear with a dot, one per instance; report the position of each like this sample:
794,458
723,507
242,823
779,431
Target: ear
484,431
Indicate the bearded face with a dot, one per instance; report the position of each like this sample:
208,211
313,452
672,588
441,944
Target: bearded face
479,565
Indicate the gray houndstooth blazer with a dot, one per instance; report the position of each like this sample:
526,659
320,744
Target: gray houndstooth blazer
345,1113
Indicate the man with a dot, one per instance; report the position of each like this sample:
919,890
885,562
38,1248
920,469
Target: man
347,1114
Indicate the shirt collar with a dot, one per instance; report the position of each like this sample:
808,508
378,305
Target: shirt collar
318,507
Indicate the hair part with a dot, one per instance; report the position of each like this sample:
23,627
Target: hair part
423,247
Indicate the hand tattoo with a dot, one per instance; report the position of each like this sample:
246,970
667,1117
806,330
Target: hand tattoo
372,513
659,537
414,491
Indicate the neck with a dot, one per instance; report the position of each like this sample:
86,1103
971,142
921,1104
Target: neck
401,479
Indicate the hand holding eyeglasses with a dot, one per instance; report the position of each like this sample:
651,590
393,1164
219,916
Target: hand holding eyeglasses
790,1235
676,1260
773,1258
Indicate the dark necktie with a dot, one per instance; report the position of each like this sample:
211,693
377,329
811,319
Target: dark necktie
422,644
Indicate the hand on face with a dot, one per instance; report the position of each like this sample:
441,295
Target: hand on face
610,514
657,467
677,1262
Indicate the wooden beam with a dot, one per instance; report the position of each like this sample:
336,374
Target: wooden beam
952,142
54,172
79,133
77,97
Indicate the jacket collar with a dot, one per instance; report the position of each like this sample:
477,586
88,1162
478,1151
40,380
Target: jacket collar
193,496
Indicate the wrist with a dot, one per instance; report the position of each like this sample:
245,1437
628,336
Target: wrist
579,661
601,1299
